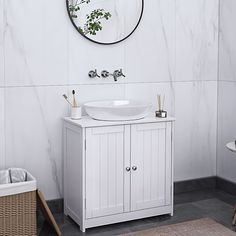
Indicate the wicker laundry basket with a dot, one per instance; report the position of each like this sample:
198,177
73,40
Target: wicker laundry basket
18,208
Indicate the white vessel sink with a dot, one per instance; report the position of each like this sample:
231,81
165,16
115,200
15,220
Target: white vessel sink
231,146
115,110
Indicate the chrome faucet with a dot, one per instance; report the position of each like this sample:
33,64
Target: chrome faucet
105,74
117,73
93,74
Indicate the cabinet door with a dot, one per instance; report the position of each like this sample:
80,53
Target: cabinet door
151,171
104,171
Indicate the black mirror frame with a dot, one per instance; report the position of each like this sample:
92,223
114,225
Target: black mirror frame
73,23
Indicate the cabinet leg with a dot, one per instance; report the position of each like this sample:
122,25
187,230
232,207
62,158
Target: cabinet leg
65,211
82,228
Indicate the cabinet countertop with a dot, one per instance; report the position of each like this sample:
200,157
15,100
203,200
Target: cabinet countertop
87,121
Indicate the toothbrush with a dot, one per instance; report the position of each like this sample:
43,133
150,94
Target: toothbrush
66,98
74,101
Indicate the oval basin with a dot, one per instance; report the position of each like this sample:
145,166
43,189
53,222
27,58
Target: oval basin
116,110
231,146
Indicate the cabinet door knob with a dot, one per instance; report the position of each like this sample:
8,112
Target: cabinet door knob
134,168
127,169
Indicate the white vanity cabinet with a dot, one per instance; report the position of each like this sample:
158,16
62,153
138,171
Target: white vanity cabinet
117,171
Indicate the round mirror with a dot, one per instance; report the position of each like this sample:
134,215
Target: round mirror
105,21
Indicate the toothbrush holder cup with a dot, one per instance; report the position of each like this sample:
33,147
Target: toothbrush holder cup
76,113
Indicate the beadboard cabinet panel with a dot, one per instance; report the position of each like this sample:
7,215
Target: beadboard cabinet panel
74,196
149,182
104,171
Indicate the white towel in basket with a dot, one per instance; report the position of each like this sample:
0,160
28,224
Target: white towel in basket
4,177
17,175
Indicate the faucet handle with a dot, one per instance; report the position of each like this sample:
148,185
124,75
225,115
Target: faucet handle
105,74
93,74
121,73
118,73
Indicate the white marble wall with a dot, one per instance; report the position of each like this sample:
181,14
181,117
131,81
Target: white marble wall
194,106
226,160
227,47
197,39
2,93
1,44
2,128
195,143
35,39
173,51
196,88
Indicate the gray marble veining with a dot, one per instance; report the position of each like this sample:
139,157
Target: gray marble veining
35,43
227,47
226,160
196,40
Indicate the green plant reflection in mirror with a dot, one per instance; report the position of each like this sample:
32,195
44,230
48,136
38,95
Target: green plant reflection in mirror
94,20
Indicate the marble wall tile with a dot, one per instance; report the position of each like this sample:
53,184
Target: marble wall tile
34,134
84,56
196,40
34,129
194,104
195,129
226,160
2,80
2,128
43,48
98,92
148,92
227,46
149,52
35,43
195,143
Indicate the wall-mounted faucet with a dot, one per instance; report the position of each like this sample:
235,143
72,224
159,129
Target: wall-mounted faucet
116,74
93,74
105,74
